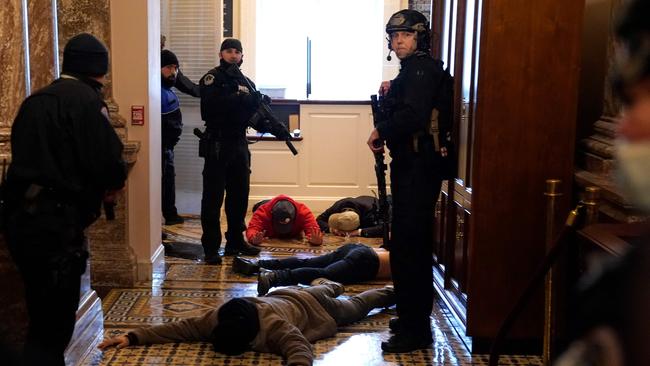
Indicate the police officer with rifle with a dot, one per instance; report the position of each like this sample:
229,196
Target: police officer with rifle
409,101
229,104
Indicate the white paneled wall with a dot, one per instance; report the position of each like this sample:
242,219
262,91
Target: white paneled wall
333,161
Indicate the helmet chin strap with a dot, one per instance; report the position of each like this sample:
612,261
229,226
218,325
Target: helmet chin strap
388,58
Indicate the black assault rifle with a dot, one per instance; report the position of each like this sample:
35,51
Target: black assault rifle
263,120
380,170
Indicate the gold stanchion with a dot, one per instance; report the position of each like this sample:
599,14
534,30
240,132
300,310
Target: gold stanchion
552,193
590,201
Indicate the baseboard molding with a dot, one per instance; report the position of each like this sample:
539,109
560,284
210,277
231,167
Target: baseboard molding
457,308
89,326
156,264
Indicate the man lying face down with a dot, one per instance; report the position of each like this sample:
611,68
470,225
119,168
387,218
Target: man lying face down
284,322
349,263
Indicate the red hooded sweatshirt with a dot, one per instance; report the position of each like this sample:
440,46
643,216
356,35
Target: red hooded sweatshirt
263,220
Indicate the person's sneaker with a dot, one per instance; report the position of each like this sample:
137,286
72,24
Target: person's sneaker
265,280
393,325
214,259
338,288
245,266
402,343
174,220
242,248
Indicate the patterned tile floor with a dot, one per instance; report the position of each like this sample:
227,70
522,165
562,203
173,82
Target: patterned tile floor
190,287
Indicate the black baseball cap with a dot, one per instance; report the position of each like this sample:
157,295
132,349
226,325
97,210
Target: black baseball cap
283,215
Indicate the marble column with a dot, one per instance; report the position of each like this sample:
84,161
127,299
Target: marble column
596,152
13,314
41,43
12,59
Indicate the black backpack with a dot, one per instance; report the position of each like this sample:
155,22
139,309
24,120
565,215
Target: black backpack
443,134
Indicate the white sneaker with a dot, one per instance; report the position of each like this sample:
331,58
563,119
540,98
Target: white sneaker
338,288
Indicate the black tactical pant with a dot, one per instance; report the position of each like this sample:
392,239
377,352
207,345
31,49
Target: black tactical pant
227,172
415,189
47,244
168,184
170,138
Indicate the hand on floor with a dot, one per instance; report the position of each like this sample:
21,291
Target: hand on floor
119,342
315,237
257,238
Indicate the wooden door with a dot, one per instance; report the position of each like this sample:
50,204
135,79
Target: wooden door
456,36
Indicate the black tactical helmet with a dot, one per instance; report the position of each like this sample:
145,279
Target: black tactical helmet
410,21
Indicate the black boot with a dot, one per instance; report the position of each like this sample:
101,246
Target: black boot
174,220
245,266
268,279
393,325
213,258
235,245
265,280
403,342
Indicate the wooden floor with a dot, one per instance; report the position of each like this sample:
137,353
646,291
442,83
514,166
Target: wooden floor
190,287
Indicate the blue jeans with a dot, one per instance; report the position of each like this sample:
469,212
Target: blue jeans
349,263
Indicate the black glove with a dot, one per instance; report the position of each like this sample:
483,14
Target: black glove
262,98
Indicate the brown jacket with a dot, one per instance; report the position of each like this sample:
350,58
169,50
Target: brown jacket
290,319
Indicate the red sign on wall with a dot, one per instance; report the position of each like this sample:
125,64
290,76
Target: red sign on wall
137,115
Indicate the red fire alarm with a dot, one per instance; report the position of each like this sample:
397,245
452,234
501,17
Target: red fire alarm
137,115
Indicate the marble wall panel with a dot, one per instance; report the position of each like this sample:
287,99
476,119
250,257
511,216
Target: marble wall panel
90,16
41,43
12,90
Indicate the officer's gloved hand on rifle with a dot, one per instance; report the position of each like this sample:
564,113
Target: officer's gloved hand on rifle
255,99
266,99
262,98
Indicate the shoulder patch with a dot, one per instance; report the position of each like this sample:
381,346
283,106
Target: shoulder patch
208,79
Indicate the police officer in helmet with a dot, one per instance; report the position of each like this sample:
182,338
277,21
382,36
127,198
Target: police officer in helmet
227,105
409,100
66,160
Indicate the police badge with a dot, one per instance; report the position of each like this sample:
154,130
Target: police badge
208,79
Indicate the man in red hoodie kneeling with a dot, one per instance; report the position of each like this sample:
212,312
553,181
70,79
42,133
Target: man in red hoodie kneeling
282,217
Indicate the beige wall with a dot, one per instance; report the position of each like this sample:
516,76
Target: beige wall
135,35
333,160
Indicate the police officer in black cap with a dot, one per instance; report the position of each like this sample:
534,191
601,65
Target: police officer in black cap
171,129
227,105
415,185
66,160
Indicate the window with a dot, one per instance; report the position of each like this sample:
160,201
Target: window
347,44
192,29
